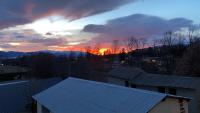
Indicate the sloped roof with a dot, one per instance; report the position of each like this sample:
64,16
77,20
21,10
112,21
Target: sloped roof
127,73
83,96
167,81
139,77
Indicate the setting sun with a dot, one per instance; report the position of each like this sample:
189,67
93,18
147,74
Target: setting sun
102,51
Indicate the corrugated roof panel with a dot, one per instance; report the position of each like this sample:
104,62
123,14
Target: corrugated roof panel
167,80
126,72
82,96
138,76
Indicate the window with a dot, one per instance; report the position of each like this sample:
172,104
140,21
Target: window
161,89
181,103
126,83
167,90
172,91
133,85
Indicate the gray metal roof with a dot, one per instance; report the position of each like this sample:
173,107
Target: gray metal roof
138,76
167,81
14,95
83,96
127,73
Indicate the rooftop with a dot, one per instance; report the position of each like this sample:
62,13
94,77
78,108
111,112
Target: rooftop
78,96
139,77
167,81
127,73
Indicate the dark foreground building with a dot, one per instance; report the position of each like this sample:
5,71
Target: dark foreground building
82,96
169,84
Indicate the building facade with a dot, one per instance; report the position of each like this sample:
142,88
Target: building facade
169,84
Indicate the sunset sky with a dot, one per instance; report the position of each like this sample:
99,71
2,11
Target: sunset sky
33,25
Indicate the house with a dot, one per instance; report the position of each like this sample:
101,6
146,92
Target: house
82,96
16,95
123,75
169,84
11,72
151,60
116,63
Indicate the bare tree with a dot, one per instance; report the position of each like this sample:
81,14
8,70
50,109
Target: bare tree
143,41
108,52
189,64
97,48
115,46
136,43
88,51
156,42
132,43
191,34
129,44
180,39
168,39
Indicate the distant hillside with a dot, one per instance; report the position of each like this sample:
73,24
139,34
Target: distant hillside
14,54
62,53
10,54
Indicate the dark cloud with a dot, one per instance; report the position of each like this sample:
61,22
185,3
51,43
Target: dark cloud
138,25
16,12
95,28
13,13
50,41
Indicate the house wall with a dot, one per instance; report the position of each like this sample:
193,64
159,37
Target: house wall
42,109
39,108
194,104
193,108
170,105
